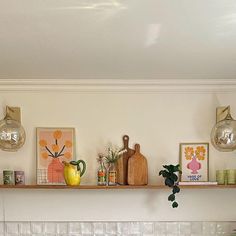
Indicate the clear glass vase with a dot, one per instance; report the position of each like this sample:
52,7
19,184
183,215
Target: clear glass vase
112,174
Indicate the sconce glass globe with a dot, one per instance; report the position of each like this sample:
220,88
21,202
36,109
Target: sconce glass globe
223,135
12,135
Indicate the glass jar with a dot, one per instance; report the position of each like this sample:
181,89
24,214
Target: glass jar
8,177
112,174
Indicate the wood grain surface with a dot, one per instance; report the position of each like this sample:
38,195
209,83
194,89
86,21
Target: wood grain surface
128,187
137,168
122,163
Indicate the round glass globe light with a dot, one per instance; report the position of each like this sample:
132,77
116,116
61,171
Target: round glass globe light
223,135
12,135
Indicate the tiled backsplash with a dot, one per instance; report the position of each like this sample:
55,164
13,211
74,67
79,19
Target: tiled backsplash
116,228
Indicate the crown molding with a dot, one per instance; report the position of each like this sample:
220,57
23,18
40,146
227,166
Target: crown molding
120,85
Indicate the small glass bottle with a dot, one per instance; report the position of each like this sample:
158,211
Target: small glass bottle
101,174
112,174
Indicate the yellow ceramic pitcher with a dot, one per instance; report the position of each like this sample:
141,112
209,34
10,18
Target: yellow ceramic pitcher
73,172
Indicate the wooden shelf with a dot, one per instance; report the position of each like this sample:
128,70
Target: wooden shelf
113,187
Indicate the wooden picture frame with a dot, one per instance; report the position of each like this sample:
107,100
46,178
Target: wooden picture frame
53,146
194,162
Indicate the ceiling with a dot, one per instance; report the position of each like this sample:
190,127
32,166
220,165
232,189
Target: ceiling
124,39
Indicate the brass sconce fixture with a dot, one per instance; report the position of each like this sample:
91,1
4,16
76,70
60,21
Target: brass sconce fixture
223,134
12,134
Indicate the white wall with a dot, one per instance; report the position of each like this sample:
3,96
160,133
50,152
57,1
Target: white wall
157,119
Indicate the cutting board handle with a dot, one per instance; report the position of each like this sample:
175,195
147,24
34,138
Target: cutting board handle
137,148
126,141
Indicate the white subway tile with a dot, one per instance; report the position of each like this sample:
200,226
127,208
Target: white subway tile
117,228
172,228
147,228
2,227
41,234
62,228
86,228
75,227
50,228
134,228
111,228
160,228
135,234
108,235
184,228
12,228
196,228
209,228
222,234
98,228
74,234
37,228
222,228
25,228
123,228
232,227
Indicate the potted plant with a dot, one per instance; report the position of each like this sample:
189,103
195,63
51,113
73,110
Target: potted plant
171,180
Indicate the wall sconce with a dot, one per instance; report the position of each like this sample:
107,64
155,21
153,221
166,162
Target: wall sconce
223,134
12,134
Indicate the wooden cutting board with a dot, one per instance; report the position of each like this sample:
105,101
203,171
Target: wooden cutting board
137,168
122,163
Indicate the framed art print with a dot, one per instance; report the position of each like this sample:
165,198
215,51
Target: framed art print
194,161
54,145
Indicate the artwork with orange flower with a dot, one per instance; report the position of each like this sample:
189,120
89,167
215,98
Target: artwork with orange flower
188,151
54,145
200,152
194,162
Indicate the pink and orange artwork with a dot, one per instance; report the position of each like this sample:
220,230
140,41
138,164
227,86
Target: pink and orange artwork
54,145
194,161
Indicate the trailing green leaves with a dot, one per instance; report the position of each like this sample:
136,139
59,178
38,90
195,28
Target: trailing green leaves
175,189
171,197
175,204
171,180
